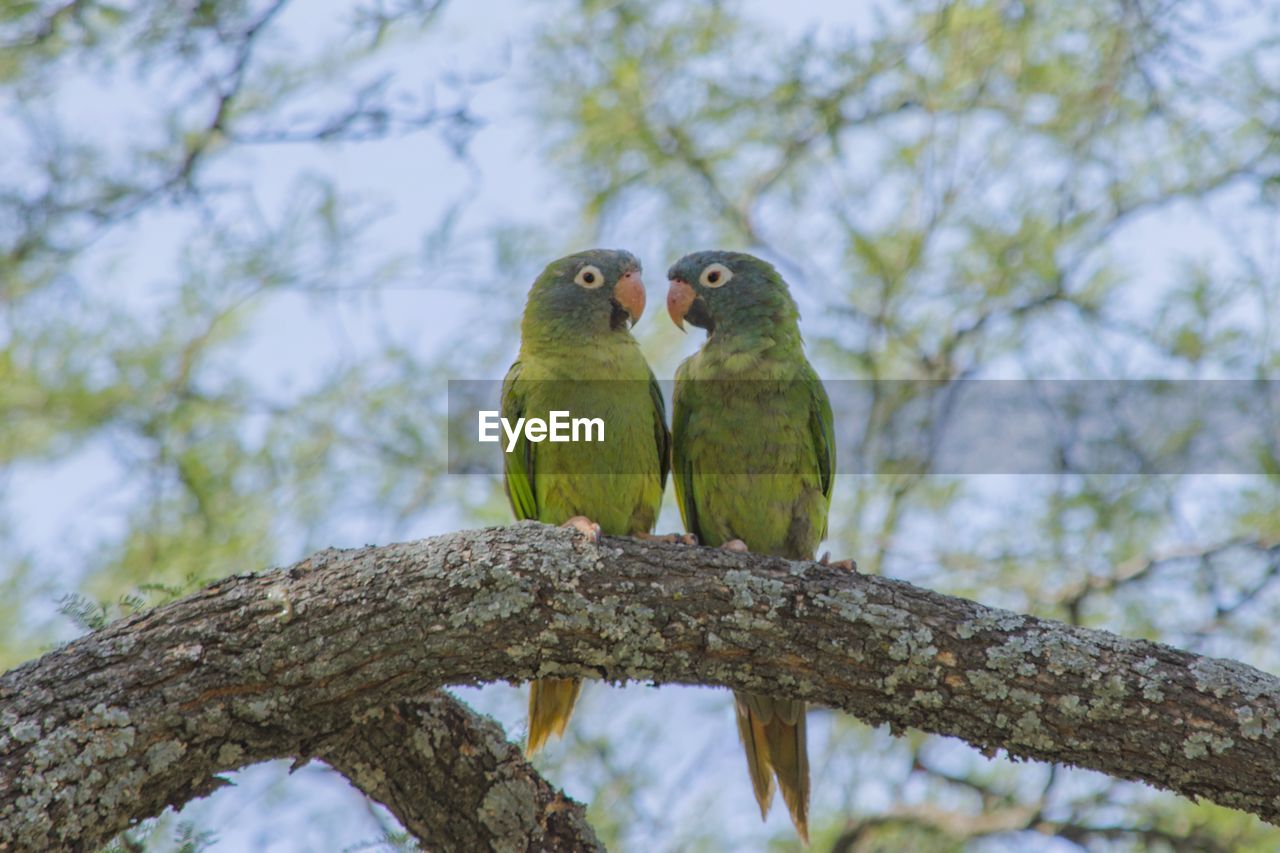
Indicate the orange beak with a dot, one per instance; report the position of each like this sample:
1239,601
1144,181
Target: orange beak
679,298
629,293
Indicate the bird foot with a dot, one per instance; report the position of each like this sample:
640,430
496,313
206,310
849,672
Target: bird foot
848,565
585,526
736,545
670,538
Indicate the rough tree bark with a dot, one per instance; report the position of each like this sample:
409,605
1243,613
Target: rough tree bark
453,780
448,775
142,713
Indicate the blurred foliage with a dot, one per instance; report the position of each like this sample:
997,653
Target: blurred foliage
982,188
214,470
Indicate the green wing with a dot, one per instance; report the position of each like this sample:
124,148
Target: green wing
681,469
661,434
517,466
822,428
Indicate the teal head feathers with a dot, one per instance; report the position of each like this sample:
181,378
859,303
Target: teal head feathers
730,293
584,296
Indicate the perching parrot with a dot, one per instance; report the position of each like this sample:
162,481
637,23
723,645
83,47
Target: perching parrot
753,457
575,328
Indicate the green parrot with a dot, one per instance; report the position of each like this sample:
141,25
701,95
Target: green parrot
575,331
753,457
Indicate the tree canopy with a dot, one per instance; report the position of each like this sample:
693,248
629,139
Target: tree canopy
244,244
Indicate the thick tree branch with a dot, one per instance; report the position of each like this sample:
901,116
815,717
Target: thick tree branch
452,779
447,773
142,713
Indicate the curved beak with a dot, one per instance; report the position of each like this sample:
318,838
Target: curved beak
629,293
679,298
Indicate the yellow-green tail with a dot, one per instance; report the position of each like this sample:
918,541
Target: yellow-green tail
776,743
550,707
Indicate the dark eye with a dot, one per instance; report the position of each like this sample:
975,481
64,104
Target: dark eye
589,277
715,275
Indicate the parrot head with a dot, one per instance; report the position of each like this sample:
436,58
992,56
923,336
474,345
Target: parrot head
729,292
586,294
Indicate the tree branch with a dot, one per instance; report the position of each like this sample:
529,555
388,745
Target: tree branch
448,775
121,722
453,780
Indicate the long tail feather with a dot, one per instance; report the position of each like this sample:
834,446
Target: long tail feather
550,707
789,754
756,745
775,739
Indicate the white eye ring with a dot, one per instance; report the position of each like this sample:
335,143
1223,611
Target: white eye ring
589,277
715,275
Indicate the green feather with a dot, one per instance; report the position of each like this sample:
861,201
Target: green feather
753,456
576,356
617,483
573,359
753,436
